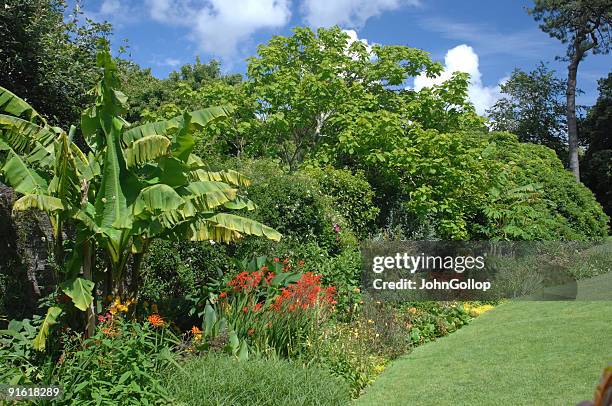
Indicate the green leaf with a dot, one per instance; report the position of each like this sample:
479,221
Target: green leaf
244,225
80,291
115,189
157,198
39,343
146,149
210,319
183,141
66,183
20,176
45,203
243,352
16,106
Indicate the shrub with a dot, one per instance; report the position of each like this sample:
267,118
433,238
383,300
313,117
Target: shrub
221,380
179,268
21,364
546,202
121,364
352,196
295,206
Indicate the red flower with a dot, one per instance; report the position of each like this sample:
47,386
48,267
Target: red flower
269,277
156,320
257,307
276,259
245,309
223,294
305,293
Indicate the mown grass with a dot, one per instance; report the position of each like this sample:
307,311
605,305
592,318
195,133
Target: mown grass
521,353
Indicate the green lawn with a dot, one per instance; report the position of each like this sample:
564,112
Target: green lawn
521,353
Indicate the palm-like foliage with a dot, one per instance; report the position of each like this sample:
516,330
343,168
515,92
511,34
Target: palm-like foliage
133,185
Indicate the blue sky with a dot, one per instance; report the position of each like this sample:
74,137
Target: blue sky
488,39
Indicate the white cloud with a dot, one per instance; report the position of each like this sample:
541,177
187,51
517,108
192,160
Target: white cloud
354,37
462,58
172,62
348,13
220,26
114,10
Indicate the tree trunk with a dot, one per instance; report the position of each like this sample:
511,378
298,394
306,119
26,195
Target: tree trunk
572,129
88,274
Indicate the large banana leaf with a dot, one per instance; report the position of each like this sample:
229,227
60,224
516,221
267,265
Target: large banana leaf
19,175
66,182
157,198
80,291
228,176
23,135
118,188
183,140
40,342
13,105
208,195
45,203
198,120
228,227
146,149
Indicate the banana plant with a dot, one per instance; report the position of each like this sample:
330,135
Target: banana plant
134,184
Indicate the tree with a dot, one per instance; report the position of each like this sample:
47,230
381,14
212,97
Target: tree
596,132
136,184
533,108
306,83
585,25
46,59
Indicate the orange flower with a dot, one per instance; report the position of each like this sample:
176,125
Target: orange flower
156,320
195,330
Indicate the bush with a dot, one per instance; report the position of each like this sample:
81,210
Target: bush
295,206
121,364
546,201
221,380
176,269
352,196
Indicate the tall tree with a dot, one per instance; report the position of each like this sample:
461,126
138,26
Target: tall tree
596,132
585,26
533,108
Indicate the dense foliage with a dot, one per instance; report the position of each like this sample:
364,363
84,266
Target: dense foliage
533,108
596,134
167,209
46,58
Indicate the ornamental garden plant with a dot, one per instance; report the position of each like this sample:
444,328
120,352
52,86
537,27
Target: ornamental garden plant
200,237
